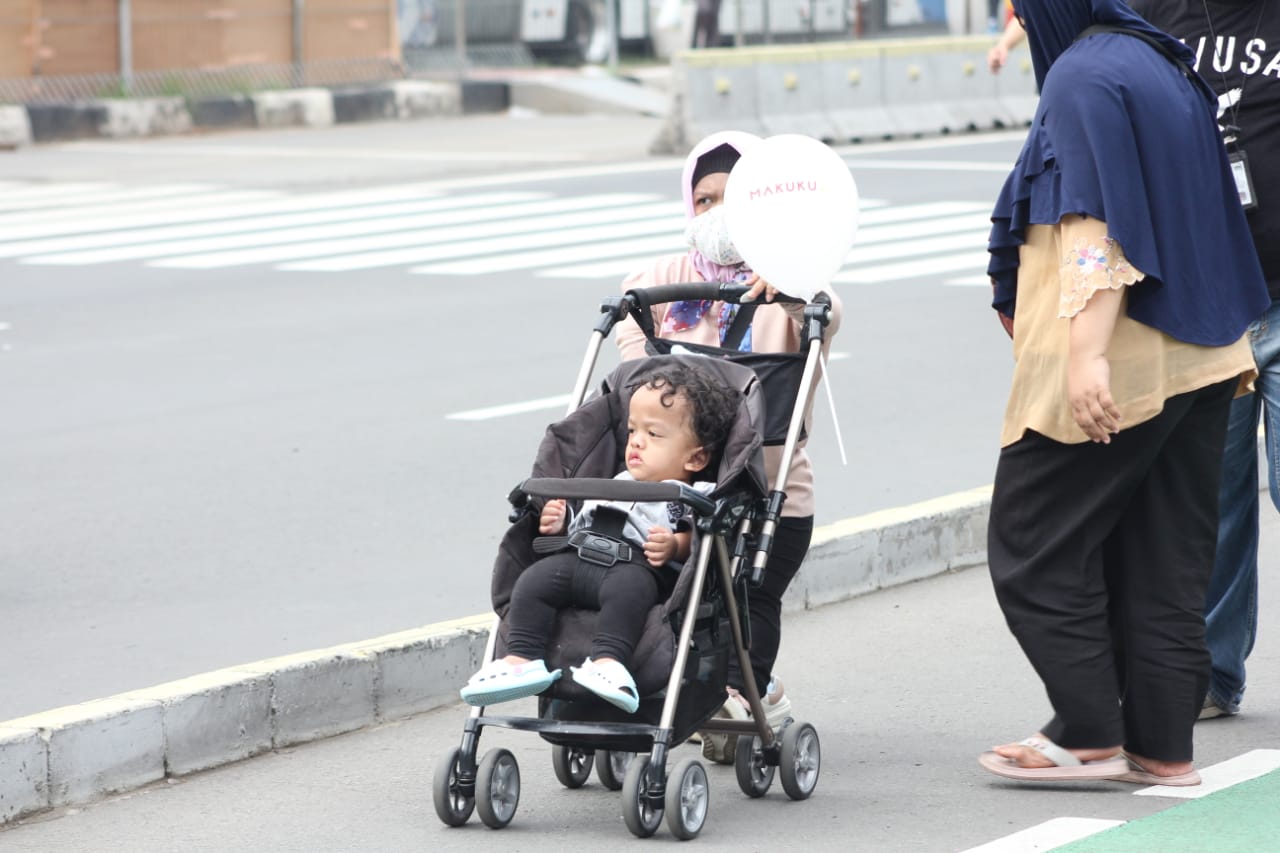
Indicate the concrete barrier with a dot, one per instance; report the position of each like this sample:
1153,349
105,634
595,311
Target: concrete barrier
789,96
293,108
1016,88
853,91
846,90
715,90
15,127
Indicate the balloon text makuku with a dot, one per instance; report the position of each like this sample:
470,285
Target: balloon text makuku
791,206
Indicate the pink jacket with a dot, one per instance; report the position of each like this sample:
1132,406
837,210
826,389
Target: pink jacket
774,328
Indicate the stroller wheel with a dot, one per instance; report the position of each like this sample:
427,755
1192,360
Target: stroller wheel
641,816
572,765
755,775
611,767
452,806
497,788
801,760
687,799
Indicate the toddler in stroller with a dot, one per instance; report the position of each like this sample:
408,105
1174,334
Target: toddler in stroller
620,558
680,664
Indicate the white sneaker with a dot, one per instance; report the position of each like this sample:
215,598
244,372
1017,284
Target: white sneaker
777,707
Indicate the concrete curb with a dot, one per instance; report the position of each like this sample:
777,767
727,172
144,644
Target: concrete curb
82,752
112,118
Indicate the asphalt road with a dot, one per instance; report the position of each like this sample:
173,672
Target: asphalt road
210,461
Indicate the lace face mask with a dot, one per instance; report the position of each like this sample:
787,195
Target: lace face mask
709,234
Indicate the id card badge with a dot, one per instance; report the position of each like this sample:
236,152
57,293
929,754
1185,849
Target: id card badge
1244,181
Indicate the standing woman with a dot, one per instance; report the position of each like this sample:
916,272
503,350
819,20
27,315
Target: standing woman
773,328
1120,240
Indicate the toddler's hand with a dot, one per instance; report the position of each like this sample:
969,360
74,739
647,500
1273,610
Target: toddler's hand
660,546
551,522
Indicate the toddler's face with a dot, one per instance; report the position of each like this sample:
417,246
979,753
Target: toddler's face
660,440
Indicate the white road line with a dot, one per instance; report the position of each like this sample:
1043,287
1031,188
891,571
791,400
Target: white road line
223,209
931,210
317,153
1046,836
855,164
908,237
969,281
104,213
486,246
913,249
1222,775
41,191
7,201
618,268
666,243
974,223
912,269
81,242
332,238
446,242
511,409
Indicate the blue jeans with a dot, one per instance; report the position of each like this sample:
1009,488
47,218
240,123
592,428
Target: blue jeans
1231,609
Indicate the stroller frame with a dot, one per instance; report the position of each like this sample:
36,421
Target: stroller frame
491,785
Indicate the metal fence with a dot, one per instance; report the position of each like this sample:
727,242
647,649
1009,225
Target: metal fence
59,50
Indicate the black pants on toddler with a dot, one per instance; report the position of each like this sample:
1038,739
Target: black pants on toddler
623,594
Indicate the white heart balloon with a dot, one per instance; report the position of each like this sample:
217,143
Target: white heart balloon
791,206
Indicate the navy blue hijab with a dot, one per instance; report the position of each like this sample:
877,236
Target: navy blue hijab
1123,136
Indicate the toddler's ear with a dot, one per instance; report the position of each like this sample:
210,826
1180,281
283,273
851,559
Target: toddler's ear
697,460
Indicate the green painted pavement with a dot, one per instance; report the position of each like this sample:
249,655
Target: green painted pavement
1241,819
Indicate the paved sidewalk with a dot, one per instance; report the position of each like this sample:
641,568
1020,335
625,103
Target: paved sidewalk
905,687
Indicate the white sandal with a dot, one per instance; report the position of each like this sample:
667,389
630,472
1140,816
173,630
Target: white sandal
499,681
610,681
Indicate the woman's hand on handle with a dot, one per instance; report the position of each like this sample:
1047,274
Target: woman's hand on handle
758,286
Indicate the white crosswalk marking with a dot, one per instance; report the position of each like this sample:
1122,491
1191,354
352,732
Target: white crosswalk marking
206,208
532,228
446,212
26,202
423,231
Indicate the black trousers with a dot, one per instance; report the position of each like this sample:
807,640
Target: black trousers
1100,556
790,544
623,593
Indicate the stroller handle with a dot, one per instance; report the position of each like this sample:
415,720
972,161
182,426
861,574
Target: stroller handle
645,297
598,488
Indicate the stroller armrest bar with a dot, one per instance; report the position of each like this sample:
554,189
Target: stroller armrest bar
584,488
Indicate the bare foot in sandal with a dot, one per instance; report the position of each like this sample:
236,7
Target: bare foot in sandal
1028,756
1150,771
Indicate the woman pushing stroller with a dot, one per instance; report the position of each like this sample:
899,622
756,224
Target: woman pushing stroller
677,419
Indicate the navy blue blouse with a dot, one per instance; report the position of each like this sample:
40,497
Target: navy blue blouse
1125,135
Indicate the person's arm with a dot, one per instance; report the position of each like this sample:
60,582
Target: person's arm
1093,275
1011,37
1088,371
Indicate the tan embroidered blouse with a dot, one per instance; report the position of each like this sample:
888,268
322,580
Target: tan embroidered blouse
1061,266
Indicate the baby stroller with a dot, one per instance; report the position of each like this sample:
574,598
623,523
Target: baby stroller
681,662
